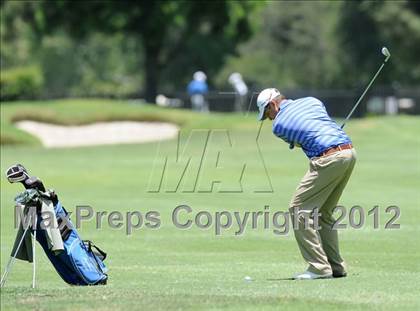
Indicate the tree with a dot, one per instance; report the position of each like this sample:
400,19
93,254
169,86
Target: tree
294,46
170,31
366,26
330,44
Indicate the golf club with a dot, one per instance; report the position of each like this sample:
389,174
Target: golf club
17,173
387,55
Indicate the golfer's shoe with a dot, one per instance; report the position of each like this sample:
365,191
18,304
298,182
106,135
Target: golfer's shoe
339,274
308,275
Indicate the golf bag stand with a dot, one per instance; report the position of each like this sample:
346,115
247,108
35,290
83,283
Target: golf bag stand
12,259
34,258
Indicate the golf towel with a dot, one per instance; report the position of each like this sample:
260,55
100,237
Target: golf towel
54,240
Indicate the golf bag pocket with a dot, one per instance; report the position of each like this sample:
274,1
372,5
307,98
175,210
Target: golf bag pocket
89,267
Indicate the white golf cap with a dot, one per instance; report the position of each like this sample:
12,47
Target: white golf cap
199,76
266,96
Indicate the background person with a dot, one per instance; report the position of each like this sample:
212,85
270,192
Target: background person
241,90
197,89
305,122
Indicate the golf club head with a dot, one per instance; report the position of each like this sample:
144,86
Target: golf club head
34,183
16,173
386,53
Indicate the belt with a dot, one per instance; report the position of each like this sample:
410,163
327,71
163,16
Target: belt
335,149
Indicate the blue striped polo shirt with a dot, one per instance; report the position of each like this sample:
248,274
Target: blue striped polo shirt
305,122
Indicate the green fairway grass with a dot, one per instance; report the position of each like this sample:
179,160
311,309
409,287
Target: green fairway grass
169,268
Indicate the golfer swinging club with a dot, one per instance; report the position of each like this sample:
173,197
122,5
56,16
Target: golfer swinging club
305,123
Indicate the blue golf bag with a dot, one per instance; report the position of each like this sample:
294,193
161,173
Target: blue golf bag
78,262
81,262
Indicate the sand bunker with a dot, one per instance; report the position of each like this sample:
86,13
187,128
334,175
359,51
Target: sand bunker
103,133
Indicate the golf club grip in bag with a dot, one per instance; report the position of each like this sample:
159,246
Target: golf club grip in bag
81,262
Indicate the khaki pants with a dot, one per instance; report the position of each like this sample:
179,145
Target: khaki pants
321,188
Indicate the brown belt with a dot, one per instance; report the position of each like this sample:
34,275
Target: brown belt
335,149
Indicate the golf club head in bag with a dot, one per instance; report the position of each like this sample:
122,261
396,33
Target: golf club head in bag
18,173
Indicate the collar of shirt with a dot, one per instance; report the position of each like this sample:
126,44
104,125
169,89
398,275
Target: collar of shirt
284,103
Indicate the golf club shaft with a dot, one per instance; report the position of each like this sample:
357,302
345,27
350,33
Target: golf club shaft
363,94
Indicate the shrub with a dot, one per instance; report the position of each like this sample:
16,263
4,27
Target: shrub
21,83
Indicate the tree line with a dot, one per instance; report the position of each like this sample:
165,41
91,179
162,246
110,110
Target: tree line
127,48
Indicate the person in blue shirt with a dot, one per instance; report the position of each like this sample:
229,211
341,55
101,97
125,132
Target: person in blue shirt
197,89
305,123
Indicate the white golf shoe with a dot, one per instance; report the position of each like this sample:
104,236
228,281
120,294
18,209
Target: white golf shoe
308,275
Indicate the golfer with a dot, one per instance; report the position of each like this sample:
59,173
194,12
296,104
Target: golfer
305,123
